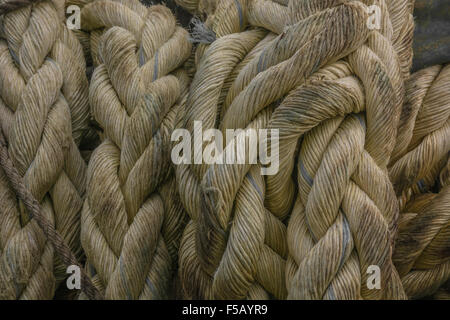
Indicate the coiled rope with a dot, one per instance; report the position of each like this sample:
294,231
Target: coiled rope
345,217
131,218
44,108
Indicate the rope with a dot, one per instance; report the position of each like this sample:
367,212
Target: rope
421,253
44,107
340,100
131,218
11,5
423,139
198,7
420,176
36,213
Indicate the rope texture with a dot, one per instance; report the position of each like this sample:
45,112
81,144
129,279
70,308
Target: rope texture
44,112
8,171
336,92
131,217
420,177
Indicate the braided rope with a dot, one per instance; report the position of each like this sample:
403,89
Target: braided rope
131,217
345,216
421,252
44,107
198,7
423,139
11,5
35,210
346,195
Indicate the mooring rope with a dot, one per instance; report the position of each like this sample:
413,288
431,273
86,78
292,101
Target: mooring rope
44,107
421,252
198,7
423,139
8,200
358,207
420,177
131,217
346,214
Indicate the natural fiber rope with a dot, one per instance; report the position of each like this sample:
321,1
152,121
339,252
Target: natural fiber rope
131,218
261,272
44,110
423,143
421,253
11,5
35,211
215,260
423,139
198,7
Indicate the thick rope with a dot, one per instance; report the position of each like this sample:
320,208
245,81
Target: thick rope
131,218
212,273
44,107
258,71
35,210
421,253
11,5
198,7
423,139
423,143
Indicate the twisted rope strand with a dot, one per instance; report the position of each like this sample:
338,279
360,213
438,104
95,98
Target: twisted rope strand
34,209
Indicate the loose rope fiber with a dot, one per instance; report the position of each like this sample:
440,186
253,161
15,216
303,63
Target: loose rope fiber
344,98
44,115
131,217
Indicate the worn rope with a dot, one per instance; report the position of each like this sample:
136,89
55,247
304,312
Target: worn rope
198,7
11,5
224,266
344,190
35,210
423,139
420,176
421,253
131,217
44,112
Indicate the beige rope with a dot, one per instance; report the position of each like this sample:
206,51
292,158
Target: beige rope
131,217
209,271
423,139
198,7
421,254
15,181
345,216
43,90
346,179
